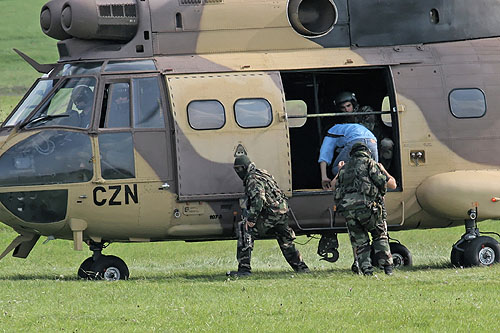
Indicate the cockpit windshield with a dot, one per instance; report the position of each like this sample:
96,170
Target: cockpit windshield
39,92
70,105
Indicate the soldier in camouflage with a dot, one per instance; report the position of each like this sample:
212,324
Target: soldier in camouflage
266,215
360,187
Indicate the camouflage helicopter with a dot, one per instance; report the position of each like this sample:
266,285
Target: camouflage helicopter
131,135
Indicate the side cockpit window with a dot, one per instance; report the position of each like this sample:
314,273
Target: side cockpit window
467,103
134,101
118,105
147,105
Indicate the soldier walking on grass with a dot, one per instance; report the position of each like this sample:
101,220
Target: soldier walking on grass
266,215
360,187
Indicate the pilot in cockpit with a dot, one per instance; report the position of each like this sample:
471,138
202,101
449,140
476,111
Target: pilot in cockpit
83,97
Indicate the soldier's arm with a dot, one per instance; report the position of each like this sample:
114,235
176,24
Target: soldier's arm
377,176
391,181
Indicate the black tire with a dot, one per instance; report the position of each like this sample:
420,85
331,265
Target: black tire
400,255
482,251
110,268
457,257
85,268
331,256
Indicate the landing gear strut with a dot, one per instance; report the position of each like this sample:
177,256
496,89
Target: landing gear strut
102,267
472,249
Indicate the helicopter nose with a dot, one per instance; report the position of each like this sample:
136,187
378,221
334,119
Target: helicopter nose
35,170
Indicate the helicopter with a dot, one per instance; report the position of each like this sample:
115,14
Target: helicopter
132,134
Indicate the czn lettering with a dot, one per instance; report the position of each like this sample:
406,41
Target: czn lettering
101,196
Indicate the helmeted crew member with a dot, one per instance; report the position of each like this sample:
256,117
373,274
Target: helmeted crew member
83,98
346,102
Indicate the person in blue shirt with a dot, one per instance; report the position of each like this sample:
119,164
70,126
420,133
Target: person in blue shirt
343,136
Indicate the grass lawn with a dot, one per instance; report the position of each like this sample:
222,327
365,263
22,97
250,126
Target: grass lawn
20,29
7,104
177,286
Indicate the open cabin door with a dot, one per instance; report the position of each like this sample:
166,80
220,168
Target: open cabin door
218,116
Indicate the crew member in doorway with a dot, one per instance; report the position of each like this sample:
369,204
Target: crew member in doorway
360,187
266,215
346,102
386,152
343,137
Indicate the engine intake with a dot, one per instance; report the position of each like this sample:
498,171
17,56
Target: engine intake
50,20
312,18
90,19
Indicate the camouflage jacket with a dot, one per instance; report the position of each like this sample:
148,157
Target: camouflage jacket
265,198
360,183
367,121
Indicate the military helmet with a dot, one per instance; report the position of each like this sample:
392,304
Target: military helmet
359,146
81,93
345,96
241,164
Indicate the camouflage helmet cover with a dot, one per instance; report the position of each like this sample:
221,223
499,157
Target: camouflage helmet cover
359,146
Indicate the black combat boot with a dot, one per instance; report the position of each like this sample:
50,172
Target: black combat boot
301,268
388,269
238,273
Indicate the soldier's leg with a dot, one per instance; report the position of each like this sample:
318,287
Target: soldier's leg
245,246
380,241
360,240
285,236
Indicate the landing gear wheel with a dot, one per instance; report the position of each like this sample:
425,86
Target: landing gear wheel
85,268
110,268
457,257
331,256
401,256
482,251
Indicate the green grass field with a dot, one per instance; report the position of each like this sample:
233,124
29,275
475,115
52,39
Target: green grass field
177,286
20,29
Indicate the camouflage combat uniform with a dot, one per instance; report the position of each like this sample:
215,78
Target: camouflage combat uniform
359,195
267,208
367,121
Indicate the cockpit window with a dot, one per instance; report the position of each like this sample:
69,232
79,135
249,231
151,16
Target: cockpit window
80,69
118,105
130,66
39,92
117,155
70,105
48,157
147,105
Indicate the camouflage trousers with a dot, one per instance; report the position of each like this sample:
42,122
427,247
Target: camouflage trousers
359,223
264,229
